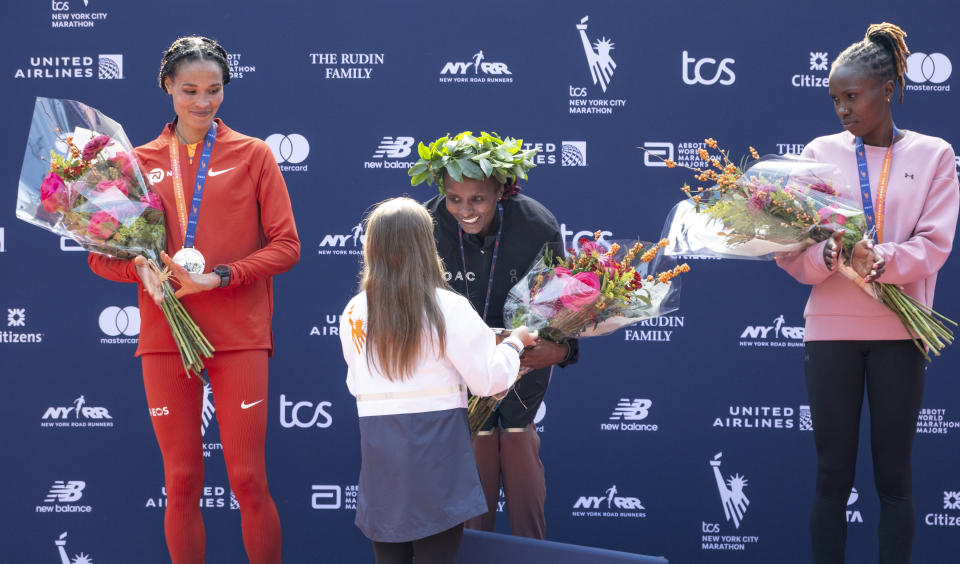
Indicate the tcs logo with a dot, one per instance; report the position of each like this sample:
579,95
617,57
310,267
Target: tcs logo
57,6
704,66
293,418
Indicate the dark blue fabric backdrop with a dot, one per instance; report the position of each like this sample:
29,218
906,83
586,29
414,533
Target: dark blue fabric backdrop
635,436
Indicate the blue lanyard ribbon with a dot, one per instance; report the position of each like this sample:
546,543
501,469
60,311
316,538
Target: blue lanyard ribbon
493,263
864,176
198,186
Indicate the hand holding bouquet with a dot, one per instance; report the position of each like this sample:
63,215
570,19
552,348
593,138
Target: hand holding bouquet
87,185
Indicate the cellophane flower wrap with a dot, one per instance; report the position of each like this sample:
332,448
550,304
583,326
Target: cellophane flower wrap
80,179
783,204
588,293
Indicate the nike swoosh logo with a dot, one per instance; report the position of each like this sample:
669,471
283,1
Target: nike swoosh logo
245,405
212,172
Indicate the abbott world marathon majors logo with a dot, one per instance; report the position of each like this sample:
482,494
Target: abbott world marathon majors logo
78,415
289,151
949,516
239,67
600,69
350,243
684,153
120,325
104,67
64,497
735,502
334,496
211,497
393,152
778,334
936,421
928,72
478,70
817,73
627,416
611,505
74,14
347,66
16,332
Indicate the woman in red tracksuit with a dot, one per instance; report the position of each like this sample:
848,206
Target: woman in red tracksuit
245,230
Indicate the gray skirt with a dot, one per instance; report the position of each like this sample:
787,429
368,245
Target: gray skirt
418,475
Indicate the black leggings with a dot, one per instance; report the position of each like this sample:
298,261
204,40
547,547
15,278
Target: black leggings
837,373
440,548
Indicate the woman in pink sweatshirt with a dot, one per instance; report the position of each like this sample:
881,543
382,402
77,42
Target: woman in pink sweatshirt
853,342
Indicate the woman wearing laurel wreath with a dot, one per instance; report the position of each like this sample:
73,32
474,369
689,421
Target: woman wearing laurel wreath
231,226
413,348
908,185
488,236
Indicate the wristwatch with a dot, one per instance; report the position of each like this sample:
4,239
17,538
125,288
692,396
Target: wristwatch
223,271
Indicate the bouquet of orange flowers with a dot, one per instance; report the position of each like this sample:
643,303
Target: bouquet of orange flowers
87,185
784,204
589,293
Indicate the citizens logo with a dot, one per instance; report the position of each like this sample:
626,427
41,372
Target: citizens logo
333,497
347,244
62,498
15,333
78,415
211,497
389,152
928,73
657,330
331,328
609,505
936,421
817,75
61,544
707,71
479,70
753,417
304,414
239,67
776,335
347,66
735,503
74,14
951,504
600,69
115,321
289,151
627,414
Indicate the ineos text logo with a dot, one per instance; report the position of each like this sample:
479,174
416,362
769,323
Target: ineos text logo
701,66
292,148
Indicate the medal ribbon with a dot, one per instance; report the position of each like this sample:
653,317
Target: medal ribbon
493,263
188,224
864,176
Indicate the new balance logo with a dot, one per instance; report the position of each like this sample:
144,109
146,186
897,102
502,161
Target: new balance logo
631,410
394,147
65,492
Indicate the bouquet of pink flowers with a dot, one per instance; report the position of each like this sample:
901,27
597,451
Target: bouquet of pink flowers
588,293
87,185
785,204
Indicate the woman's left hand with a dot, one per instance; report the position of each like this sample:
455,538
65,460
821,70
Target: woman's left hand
865,262
543,354
189,283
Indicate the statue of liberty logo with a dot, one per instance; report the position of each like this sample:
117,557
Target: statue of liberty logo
208,409
598,56
735,502
61,544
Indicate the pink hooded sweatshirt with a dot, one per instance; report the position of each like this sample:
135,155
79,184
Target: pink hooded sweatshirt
918,227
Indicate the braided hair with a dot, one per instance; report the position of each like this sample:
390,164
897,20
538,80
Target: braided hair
192,48
882,52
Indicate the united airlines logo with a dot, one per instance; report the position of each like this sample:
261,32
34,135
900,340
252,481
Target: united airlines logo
110,67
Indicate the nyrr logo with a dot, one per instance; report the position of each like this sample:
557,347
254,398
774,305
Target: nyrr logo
290,414
64,493
293,148
389,151
723,68
348,244
61,544
17,318
951,502
601,66
626,413
79,415
776,335
480,70
115,321
929,72
609,505
332,327
334,497
819,62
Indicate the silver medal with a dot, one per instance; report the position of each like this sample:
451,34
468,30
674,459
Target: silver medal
190,259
